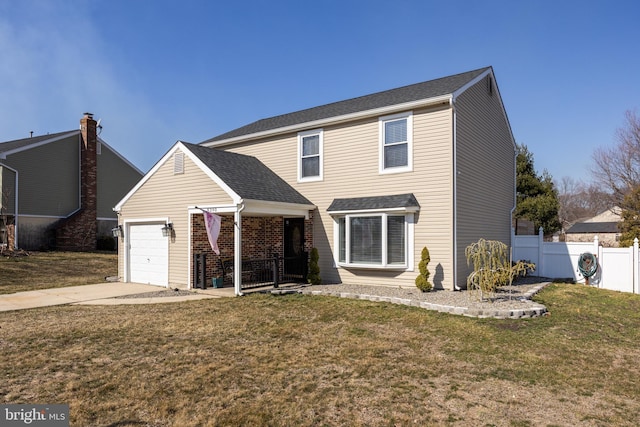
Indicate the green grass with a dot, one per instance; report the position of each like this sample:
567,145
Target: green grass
321,361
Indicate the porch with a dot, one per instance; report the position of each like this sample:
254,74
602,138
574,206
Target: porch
273,251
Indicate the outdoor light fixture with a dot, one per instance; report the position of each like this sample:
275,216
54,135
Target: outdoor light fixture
117,231
167,229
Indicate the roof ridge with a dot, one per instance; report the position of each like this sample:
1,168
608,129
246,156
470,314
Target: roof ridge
389,97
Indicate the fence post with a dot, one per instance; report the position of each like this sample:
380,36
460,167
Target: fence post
540,252
276,269
636,277
598,279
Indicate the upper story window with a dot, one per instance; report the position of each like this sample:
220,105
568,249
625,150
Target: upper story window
310,155
396,143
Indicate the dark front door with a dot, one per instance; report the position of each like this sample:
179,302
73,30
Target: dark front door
294,255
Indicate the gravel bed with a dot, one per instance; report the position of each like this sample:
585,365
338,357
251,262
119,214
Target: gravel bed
509,302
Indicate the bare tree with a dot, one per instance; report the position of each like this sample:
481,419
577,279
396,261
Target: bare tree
617,168
579,201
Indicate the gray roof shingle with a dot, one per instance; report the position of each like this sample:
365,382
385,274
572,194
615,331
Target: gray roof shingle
414,92
247,176
594,227
25,142
376,202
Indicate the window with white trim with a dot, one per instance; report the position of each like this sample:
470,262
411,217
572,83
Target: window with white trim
373,240
396,143
310,155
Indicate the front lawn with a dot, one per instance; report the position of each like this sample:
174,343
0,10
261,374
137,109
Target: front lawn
40,270
297,360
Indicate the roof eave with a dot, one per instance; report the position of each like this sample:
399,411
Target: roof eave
443,99
267,207
400,209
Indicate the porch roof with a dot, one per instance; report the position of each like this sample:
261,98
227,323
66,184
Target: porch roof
406,202
247,176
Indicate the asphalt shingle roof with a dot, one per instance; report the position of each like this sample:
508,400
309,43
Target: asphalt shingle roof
594,227
247,176
377,202
414,92
25,142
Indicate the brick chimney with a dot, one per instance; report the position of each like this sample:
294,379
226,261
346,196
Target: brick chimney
78,232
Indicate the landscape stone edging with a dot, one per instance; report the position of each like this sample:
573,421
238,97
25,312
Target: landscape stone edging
536,310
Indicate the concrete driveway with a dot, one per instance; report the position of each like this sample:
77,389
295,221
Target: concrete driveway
98,294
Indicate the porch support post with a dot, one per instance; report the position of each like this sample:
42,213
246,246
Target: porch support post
237,246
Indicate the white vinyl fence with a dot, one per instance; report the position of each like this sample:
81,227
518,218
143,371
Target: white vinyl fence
617,267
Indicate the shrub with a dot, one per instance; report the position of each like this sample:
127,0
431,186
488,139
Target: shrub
313,276
491,266
422,280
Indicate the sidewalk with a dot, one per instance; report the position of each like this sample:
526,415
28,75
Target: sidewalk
99,294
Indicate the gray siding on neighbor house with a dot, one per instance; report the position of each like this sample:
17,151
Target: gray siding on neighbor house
7,191
116,177
49,178
485,171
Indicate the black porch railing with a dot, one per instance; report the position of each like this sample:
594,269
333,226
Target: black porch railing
257,272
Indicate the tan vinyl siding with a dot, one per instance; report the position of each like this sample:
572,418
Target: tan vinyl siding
485,171
351,158
168,195
50,177
115,178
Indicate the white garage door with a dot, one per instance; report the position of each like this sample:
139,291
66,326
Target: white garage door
148,254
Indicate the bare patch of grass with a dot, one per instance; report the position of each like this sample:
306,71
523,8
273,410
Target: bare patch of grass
311,360
42,270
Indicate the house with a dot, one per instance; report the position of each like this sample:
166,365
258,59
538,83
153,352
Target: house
58,190
368,181
604,225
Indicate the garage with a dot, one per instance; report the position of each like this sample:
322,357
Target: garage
148,254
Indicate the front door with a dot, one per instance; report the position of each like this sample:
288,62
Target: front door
295,257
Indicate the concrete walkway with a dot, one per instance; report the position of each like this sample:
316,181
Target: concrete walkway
99,294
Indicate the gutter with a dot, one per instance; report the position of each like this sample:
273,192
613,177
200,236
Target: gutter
237,249
333,120
455,189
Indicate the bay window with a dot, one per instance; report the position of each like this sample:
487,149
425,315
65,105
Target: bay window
373,240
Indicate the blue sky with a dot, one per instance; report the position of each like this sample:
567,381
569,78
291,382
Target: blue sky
160,71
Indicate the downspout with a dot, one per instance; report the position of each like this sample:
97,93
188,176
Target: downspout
452,102
237,244
15,216
515,196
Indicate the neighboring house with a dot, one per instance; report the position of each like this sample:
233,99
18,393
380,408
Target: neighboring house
368,181
603,225
58,190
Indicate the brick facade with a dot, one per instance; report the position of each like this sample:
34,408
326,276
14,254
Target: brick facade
78,232
261,238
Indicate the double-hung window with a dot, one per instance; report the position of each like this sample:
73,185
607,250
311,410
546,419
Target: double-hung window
310,155
376,240
396,143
